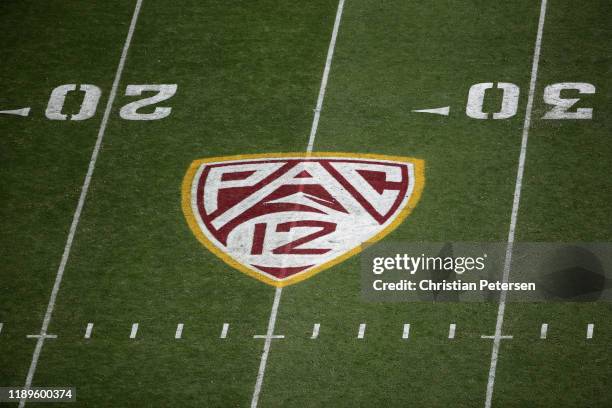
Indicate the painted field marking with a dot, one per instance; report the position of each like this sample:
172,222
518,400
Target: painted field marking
134,331
589,334
315,330
544,331
88,330
41,336
179,331
311,139
444,111
266,350
496,337
265,336
224,331
451,330
16,112
515,206
77,214
406,332
362,329
323,88
1,325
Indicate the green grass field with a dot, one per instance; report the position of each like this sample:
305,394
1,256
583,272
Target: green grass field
248,76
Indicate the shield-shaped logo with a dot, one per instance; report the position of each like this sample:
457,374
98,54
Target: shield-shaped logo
281,218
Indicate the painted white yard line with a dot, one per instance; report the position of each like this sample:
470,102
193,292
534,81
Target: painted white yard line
406,332
589,334
322,89
515,205
451,330
266,350
179,331
77,214
309,148
1,325
88,330
224,331
544,331
362,329
134,331
315,330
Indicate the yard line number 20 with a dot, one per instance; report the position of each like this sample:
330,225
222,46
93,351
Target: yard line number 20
91,97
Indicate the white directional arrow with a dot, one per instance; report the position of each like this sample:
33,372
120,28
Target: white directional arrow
17,112
444,111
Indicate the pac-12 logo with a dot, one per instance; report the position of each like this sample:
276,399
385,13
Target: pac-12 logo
281,218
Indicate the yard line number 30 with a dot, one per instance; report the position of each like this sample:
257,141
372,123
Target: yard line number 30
561,106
